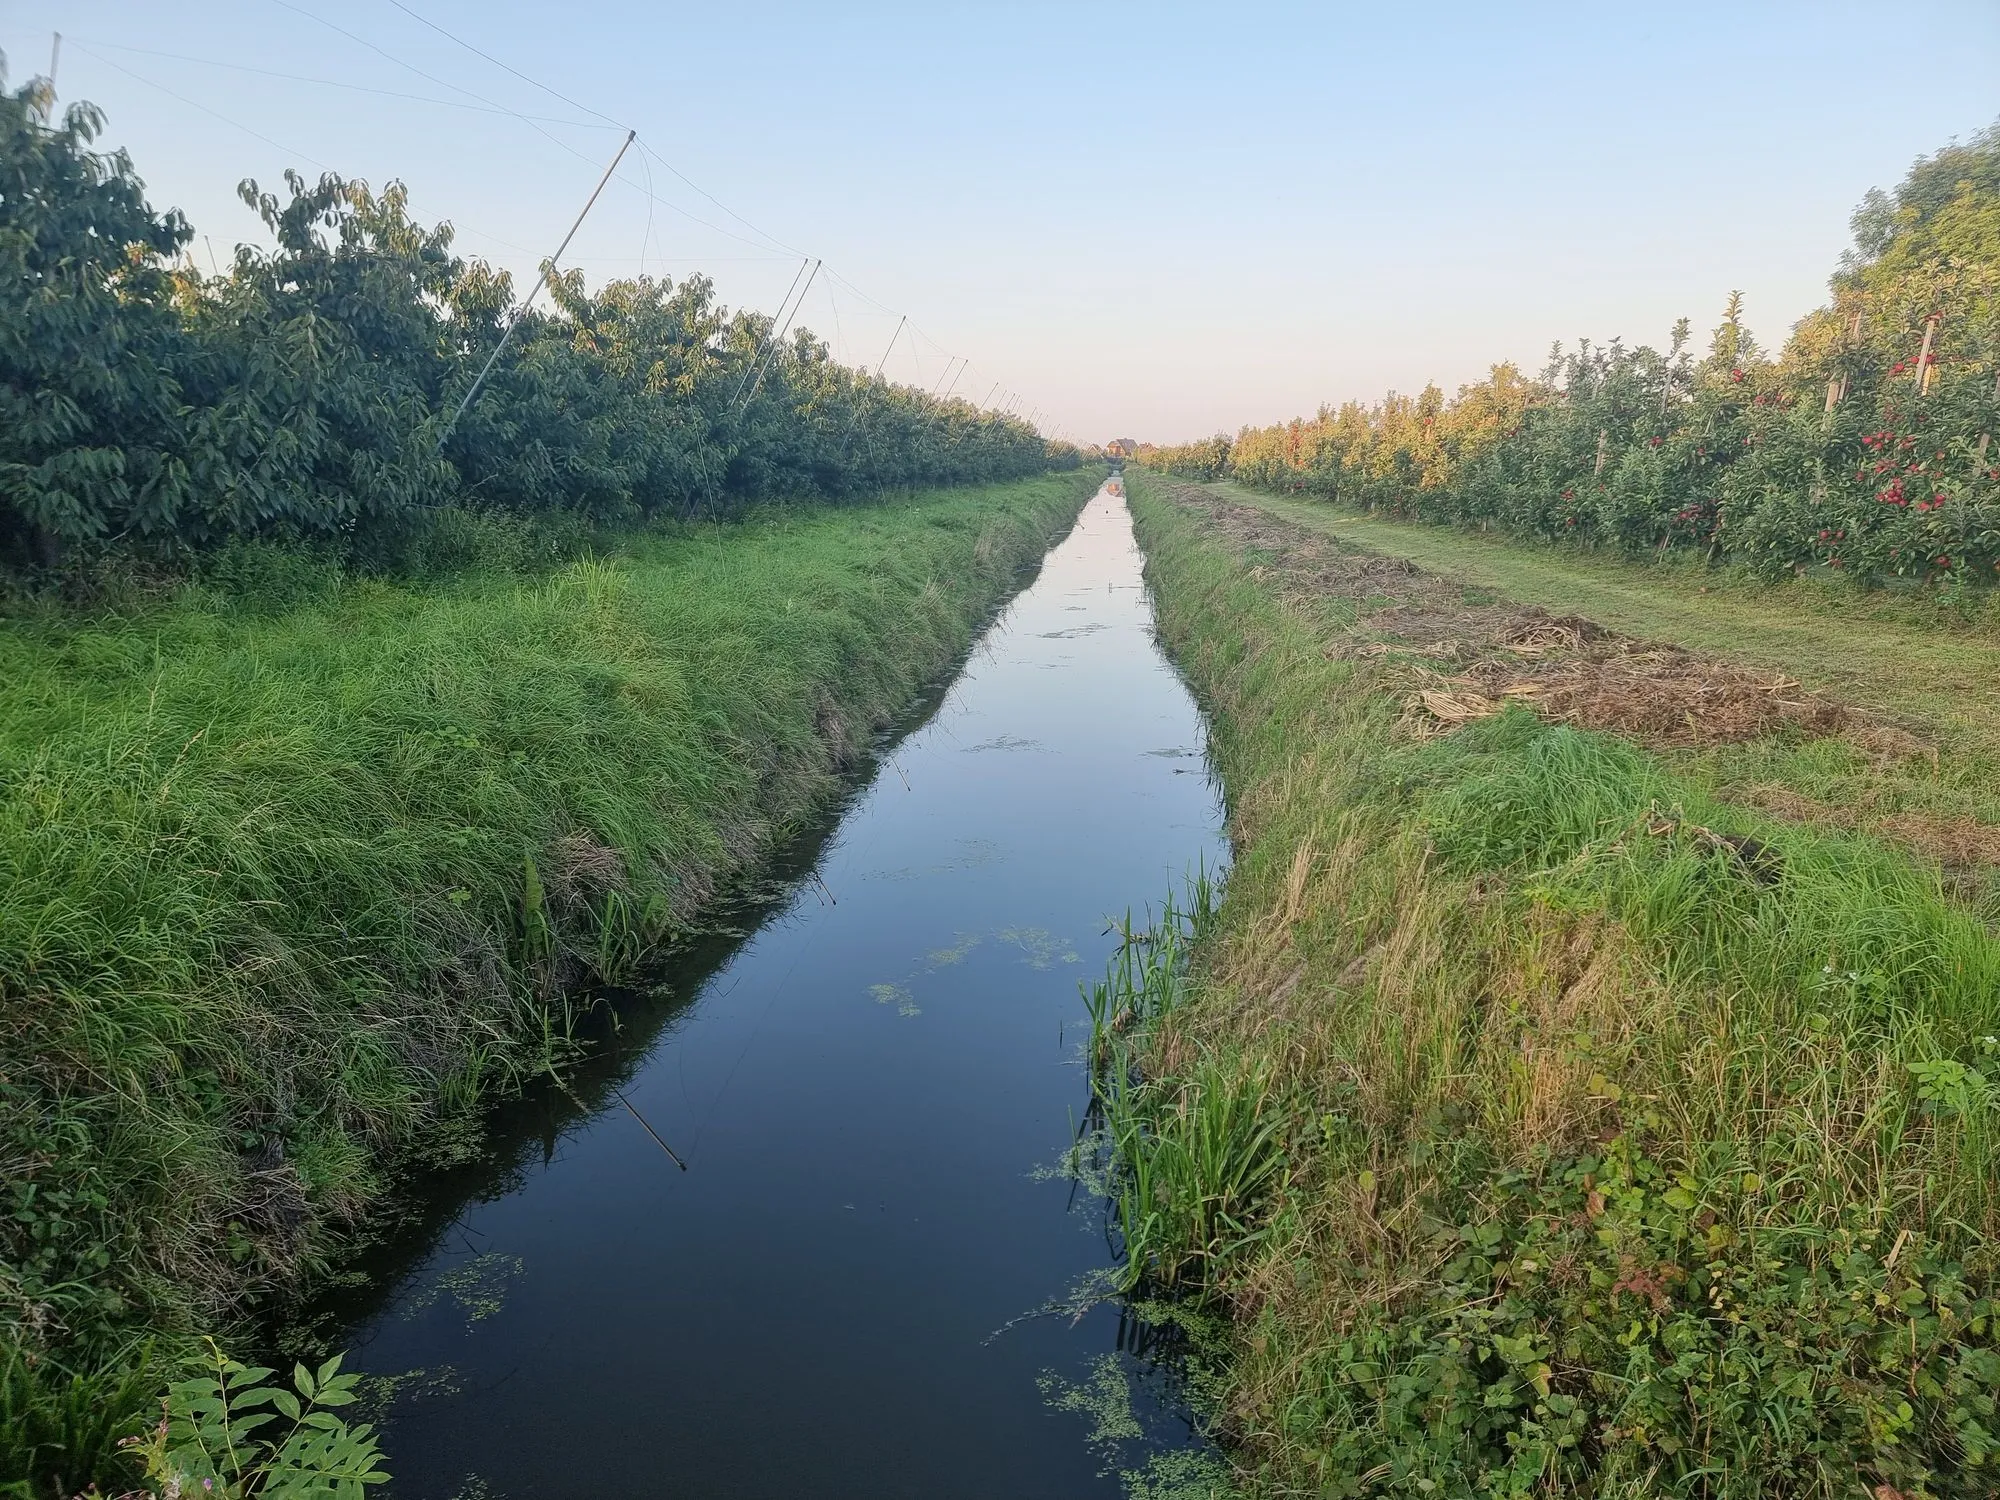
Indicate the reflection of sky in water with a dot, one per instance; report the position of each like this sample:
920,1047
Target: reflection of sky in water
861,1094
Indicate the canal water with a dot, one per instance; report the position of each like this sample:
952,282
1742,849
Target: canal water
854,1287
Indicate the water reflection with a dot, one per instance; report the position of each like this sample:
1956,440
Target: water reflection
860,1090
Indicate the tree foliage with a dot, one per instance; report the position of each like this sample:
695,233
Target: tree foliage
1866,445
307,391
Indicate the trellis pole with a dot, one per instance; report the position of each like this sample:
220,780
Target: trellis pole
548,266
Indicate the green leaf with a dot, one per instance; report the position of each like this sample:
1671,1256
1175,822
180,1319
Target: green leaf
1516,1351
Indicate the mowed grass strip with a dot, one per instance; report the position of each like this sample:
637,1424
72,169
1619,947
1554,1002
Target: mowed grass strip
1897,651
291,883
1905,658
1627,1142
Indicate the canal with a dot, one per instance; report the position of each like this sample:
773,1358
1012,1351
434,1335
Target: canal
851,1287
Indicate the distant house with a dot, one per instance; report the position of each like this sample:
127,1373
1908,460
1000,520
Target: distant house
1121,447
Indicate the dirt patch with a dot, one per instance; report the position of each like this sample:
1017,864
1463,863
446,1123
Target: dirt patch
1956,844
1659,694
1461,657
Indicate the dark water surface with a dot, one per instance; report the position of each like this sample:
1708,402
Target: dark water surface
862,1089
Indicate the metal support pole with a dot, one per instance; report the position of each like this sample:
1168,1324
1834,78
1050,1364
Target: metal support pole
892,344
757,353
548,266
778,338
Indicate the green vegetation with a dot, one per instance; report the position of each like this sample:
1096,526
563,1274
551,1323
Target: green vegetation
343,735
1922,658
217,1434
1865,448
1535,1120
300,867
148,410
1917,658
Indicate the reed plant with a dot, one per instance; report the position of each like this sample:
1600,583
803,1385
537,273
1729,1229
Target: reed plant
1194,1156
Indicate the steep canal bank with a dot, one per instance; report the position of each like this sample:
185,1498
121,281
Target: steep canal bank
830,1299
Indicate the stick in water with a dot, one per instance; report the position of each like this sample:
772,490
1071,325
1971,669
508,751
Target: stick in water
649,1129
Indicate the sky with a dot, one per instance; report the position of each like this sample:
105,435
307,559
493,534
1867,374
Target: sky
1154,221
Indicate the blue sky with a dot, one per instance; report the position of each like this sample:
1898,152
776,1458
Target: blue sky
1154,221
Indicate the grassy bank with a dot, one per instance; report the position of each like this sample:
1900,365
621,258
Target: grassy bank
294,879
1541,1119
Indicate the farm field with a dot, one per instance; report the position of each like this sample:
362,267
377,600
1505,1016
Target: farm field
1905,653
636,857
1905,661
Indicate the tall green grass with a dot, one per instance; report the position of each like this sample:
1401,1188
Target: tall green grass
1620,1155
1195,1157
295,877
60,1428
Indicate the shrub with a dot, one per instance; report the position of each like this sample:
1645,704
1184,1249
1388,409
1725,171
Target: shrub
309,391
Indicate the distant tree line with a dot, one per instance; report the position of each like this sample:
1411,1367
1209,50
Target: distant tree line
1866,445
303,393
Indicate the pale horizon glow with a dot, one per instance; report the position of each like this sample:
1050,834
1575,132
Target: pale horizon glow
1155,222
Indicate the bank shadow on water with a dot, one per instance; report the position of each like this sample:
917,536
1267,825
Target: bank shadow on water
848,1290
613,1032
